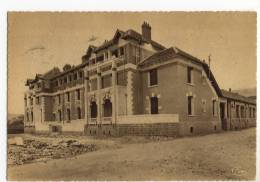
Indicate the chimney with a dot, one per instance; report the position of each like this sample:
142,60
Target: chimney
146,31
229,89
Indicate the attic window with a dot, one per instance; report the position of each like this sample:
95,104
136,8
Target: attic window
100,58
115,53
121,50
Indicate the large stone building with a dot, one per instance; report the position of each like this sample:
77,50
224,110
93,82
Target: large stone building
132,85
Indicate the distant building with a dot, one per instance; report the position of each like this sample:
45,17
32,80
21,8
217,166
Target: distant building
132,85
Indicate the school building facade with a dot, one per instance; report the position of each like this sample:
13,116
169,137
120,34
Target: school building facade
132,85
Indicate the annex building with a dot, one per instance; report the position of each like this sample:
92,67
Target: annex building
133,85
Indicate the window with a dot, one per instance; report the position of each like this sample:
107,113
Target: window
70,78
79,113
189,75
37,100
56,83
27,117
32,115
214,108
81,74
78,94
106,81
253,112
153,78
106,55
100,58
60,81
68,96
121,78
93,84
121,50
154,105
115,53
59,111
93,110
31,101
237,111
68,114
190,105
107,106
75,76
65,80
59,99
242,112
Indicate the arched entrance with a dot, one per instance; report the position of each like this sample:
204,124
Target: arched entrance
107,107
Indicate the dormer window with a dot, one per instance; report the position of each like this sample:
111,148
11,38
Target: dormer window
153,77
121,50
100,58
115,53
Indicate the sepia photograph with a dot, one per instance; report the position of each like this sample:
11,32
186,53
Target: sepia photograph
140,96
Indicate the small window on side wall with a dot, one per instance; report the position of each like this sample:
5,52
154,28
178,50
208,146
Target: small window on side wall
189,75
190,106
153,77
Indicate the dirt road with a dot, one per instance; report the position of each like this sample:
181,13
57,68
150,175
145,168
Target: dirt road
224,156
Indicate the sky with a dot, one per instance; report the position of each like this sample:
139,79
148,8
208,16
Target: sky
39,41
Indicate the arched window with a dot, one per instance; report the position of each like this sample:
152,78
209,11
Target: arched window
32,115
107,108
93,110
68,114
79,112
154,105
27,116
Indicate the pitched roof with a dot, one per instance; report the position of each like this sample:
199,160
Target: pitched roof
173,52
125,35
237,97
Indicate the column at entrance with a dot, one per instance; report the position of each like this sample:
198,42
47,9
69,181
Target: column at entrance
86,83
99,112
114,78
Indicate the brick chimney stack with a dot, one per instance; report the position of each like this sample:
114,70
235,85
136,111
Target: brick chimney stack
229,89
146,31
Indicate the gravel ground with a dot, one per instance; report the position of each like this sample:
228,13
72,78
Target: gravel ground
224,156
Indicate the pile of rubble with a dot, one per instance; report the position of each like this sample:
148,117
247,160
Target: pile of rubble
28,150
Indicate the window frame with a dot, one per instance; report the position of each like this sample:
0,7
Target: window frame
190,79
149,78
191,109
